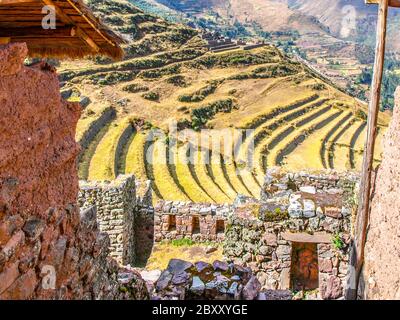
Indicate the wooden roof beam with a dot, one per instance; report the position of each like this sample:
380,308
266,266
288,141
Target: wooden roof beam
33,32
392,3
12,2
78,31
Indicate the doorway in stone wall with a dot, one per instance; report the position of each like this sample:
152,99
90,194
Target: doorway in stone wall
304,267
195,224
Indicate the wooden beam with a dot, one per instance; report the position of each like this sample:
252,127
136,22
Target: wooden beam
32,32
5,40
392,3
79,32
11,2
373,111
90,23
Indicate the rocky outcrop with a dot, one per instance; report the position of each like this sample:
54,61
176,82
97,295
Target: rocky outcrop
48,248
382,264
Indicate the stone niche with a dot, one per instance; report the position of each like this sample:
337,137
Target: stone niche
298,237
199,222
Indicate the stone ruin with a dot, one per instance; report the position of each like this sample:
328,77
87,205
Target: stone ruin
298,236
122,213
220,280
198,222
49,249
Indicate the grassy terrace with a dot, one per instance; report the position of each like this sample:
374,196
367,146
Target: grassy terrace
162,176
185,177
341,148
317,125
206,181
103,163
326,140
306,152
359,147
220,176
263,126
328,148
229,166
135,156
279,139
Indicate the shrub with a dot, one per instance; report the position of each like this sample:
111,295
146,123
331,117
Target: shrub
177,80
361,114
152,96
200,94
135,88
318,86
200,116
338,242
182,242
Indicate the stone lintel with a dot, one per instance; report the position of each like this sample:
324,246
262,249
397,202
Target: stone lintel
319,237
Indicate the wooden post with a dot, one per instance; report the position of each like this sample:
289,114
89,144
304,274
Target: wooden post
5,40
365,186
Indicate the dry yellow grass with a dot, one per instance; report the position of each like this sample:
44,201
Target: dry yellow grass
185,177
102,163
163,179
272,154
135,157
341,155
308,152
219,177
205,180
163,252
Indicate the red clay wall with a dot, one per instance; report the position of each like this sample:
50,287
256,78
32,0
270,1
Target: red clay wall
382,259
41,228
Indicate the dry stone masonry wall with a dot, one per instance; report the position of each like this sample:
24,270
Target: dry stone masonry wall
116,210
298,237
199,222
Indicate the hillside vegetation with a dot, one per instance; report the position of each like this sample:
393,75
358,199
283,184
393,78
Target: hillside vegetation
260,109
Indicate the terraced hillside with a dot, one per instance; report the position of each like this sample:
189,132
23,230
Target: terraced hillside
236,113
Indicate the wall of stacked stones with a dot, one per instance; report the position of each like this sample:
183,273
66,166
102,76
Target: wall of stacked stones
48,248
116,209
296,208
198,222
266,247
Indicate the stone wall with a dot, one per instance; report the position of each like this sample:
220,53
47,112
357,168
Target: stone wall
116,212
144,234
296,209
381,276
198,222
48,249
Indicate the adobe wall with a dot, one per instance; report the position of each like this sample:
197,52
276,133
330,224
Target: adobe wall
296,208
48,248
195,221
381,277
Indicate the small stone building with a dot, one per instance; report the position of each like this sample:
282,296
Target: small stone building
298,237
198,222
